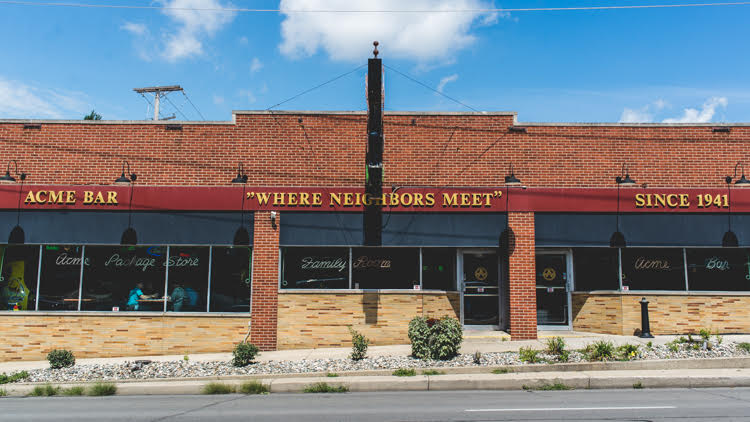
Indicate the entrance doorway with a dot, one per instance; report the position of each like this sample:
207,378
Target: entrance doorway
553,285
480,288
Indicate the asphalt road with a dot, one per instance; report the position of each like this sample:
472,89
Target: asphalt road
580,405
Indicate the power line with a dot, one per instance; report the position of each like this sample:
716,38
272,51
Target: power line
166,97
191,103
316,87
430,88
479,10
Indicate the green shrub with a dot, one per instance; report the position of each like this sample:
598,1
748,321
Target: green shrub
432,372
564,356
359,345
705,334
435,338
3,393
549,387
638,385
218,388
556,345
628,351
243,354
72,391
719,338
45,390
673,346
403,372
499,371
18,376
60,358
321,387
650,345
600,350
253,387
102,389
332,375
744,346
529,355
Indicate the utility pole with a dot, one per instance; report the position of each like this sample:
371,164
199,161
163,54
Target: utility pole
158,92
373,221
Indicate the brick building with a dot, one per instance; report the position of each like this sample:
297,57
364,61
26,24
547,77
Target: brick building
190,255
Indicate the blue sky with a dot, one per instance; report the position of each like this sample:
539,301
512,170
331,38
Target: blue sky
645,65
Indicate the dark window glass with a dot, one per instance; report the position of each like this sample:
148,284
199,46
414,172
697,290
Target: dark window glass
19,276
718,269
315,268
385,268
60,278
653,269
230,279
124,278
188,279
438,269
595,269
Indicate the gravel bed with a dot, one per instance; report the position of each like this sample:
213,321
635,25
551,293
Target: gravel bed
185,369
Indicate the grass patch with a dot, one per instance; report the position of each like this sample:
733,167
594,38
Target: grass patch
321,387
744,346
332,375
558,386
432,372
638,385
253,387
18,376
403,372
218,388
102,389
499,371
3,393
529,355
600,351
45,390
72,391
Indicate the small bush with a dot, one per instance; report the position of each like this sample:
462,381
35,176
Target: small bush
46,390
628,351
556,345
332,375
72,391
600,350
321,387
744,346
673,347
3,393
529,355
564,356
705,334
650,345
477,357
243,354
432,372
549,387
60,358
435,338
18,376
719,338
359,345
218,388
499,371
403,372
253,387
102,389
186,358
638,385
419,336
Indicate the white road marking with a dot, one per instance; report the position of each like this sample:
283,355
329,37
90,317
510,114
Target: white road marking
534,409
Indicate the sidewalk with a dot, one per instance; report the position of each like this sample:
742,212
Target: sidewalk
474,340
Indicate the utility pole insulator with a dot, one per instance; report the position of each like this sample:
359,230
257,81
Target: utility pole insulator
158,91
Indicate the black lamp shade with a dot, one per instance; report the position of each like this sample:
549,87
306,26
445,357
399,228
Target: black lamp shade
7,177
512,180
742,181
17,236
624,181
241,237
617,240
730,240
122,179
129,237
240,179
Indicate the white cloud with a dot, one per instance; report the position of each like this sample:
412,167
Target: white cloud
423,37
644,114
255,65
19,100
192,26
446,80
704,115
218,99
135,28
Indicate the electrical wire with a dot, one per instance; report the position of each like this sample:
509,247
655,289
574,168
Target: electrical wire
478,10
175,107
191,103
430,88
316,87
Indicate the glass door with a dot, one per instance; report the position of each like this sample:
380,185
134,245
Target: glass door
553,289
481,298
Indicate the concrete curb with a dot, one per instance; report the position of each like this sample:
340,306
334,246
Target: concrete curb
674,378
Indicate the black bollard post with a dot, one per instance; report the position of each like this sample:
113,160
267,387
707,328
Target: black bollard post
645,329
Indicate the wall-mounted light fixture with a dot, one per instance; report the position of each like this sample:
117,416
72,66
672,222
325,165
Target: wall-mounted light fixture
241,236
241,176
7,178
729,240
624,178
617,240
273,219
511,179
123,179
742,181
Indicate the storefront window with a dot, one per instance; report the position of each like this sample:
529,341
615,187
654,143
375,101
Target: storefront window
230,279
385,268
188,279
653,269
124,278
438,268
718,269
595,269
60,278
315,268
18,277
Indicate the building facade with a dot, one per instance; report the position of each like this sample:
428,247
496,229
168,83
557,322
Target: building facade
504,225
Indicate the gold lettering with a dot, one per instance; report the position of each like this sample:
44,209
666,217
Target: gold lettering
88,197
263,197
348,199
487,197
293,199
278,198
450,200
41,196
55,197
659,198
395,200
430,198
476,199
30,198
70,197
640,201
335,197
684,201
304,198
358,199
407,199
418,200
465,199
99,198
112,197
317,200
670,197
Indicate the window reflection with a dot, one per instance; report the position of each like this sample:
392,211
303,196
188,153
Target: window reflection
60,277
18,277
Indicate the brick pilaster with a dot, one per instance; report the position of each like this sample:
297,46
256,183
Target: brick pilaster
265,281
522,276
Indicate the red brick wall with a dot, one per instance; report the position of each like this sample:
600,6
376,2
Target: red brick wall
522,276
265,281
